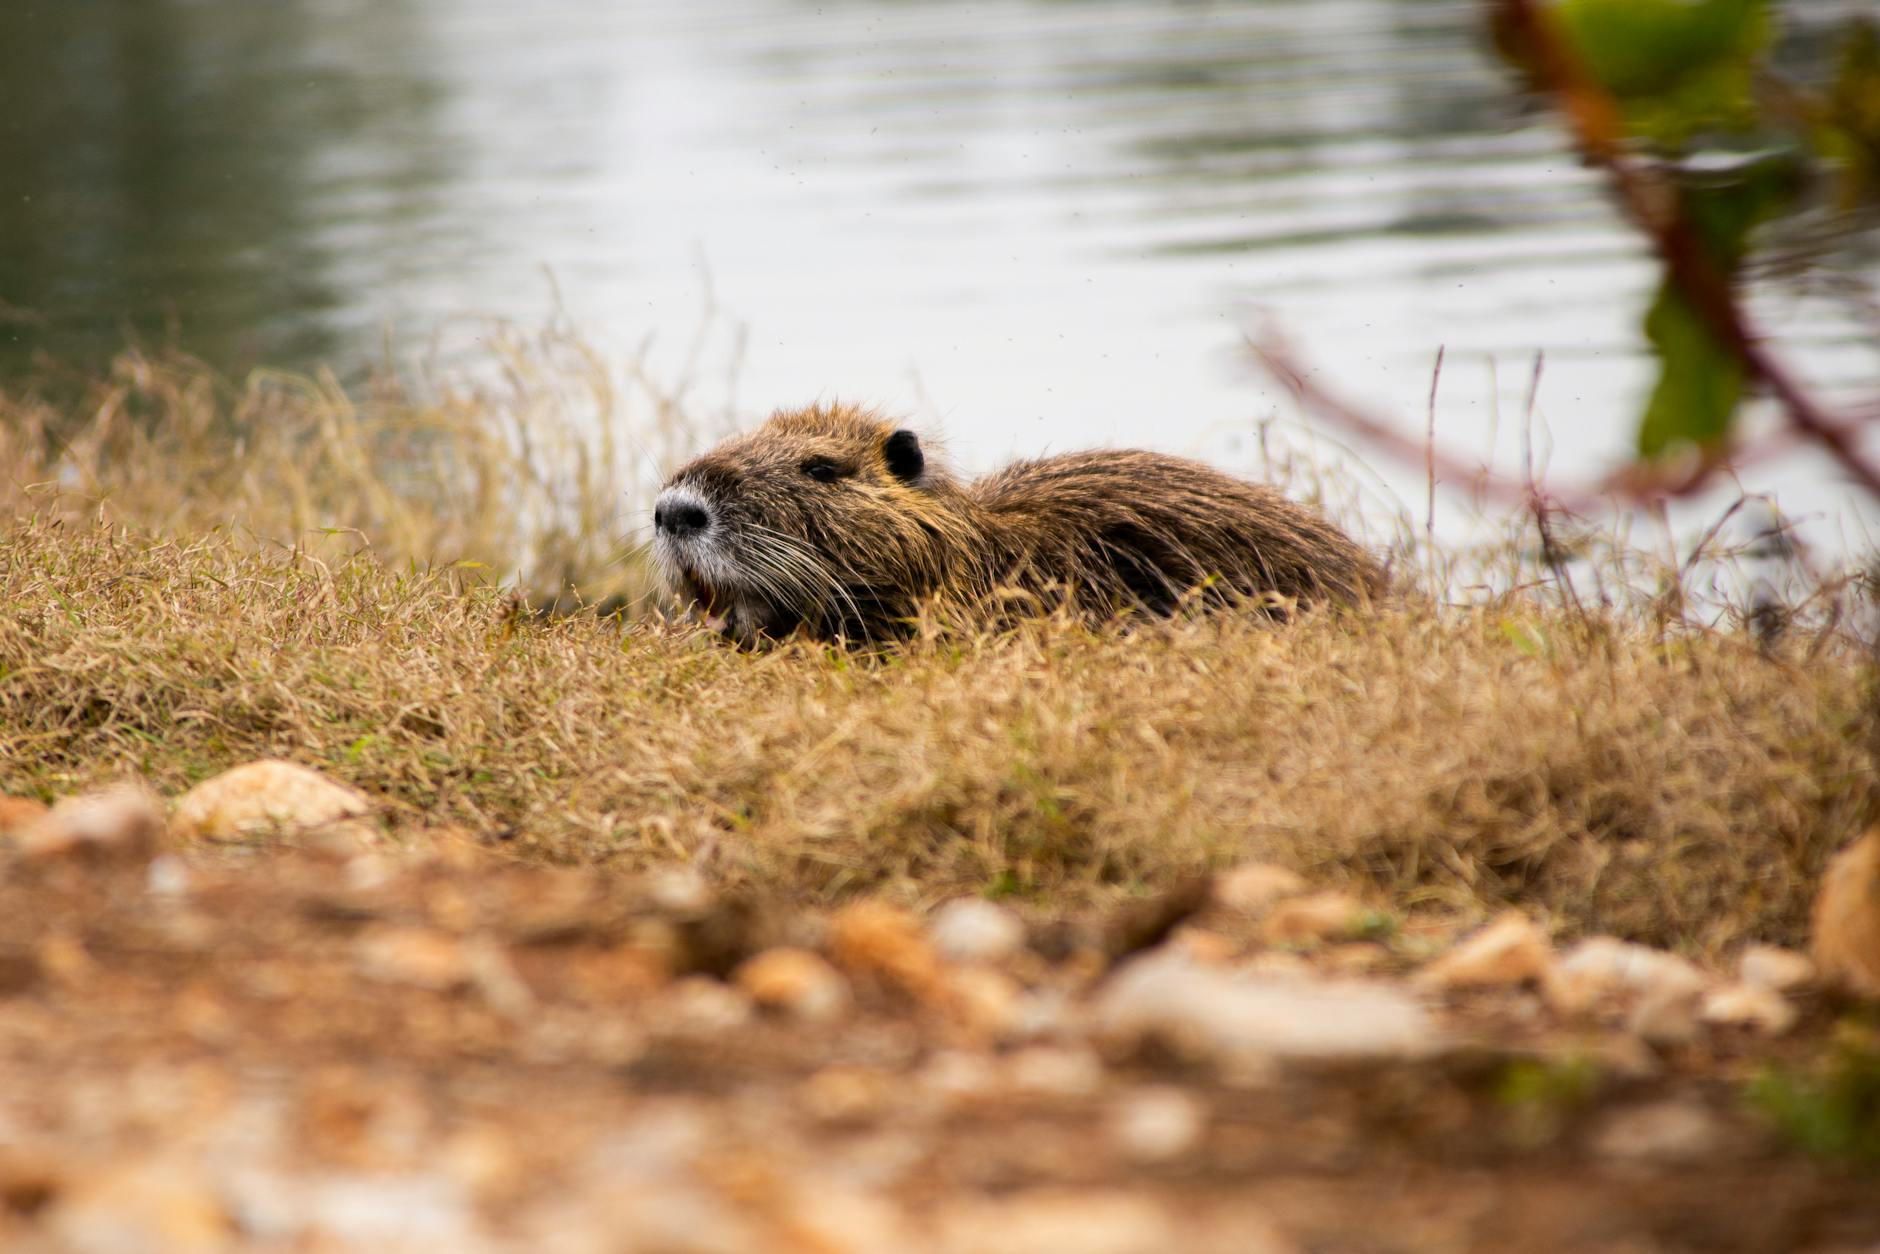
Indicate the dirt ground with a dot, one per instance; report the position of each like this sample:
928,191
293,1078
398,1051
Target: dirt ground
327,1050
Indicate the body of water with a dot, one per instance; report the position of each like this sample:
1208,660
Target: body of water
1036,224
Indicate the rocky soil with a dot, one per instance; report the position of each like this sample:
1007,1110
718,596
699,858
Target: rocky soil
217,1037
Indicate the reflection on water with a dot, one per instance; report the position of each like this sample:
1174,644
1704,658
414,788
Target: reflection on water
1041,223
191,161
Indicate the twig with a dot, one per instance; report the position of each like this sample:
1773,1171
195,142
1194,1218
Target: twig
1429,460
1273,354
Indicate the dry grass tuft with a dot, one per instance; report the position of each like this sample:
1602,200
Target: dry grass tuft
1666,785
535,472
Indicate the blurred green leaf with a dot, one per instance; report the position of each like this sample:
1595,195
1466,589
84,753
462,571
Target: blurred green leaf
1699,380
1676,67
1734,195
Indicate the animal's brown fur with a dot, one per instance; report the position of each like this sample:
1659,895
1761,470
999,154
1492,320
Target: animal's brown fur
832,519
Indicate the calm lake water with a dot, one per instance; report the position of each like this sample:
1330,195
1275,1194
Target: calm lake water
1033,223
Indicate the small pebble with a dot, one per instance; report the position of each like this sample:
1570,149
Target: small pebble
17,812
1053,1070
872,938
116,823
272,798
1253,887
1769,966
135,1206
1054,1221
416,956
1603,968
1673,1131
1509,951
987,1001
795,981
959,1073
1666,1018
970,929
1228,1015
1156,1124
167,876
701,1005
1753,1006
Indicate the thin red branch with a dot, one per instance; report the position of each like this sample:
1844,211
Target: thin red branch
1653,207
1640,482
1319,401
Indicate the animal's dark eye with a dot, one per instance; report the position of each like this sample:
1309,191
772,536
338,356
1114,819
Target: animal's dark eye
822,469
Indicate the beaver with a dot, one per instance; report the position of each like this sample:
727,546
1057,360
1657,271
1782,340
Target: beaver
833,520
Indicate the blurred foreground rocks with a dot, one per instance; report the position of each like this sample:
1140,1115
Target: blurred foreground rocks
1847,918
358,1043
121,823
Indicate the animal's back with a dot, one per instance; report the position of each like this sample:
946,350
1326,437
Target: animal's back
1131,526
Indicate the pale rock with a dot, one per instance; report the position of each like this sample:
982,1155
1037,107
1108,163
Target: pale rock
418,957
1509,951
167,876
1671,1131
1058,1221
1625,1057
272,798
369,871
637,1191
1252,887
701,1005
795,982
1044,1013
139,1206
1201,945
494,976
486,1160
679,890
1320,917
389,1211
1846,939
971,929
1228,1015
959,1073
1156,1124
123,822
830,1219
64,958
988,1001
1054,1071
874,939
1603,968
1666,1018
839,1094
17,813
1753,1006
1772,967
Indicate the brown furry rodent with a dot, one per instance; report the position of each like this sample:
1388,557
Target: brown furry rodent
832,519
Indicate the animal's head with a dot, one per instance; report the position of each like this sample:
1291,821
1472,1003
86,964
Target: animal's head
830,518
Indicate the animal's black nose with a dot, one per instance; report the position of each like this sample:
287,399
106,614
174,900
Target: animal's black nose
681,518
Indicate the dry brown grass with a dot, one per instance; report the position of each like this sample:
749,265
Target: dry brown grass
1667,785
199,571
536,470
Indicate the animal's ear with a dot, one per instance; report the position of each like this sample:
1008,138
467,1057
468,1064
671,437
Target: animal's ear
905,460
